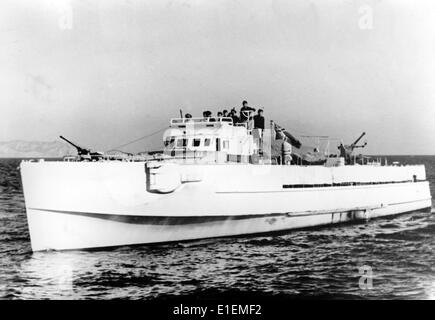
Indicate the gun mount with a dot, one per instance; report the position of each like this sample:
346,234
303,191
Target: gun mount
281,133
85,154
346,151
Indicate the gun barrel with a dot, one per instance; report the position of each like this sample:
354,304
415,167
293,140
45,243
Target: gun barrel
292,140
77,147
357,140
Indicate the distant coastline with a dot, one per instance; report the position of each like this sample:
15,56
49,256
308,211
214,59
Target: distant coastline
34,149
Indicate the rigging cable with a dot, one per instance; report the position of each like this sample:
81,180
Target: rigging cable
138,139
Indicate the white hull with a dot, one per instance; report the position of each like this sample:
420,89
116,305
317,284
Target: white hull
90,205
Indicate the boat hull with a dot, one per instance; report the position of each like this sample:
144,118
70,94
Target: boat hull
72,231
92,205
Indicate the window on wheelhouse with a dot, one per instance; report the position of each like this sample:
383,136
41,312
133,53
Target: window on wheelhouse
218,144
226,144
181,143
169,141
207,142
196,142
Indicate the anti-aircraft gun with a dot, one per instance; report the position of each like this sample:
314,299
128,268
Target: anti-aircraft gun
85,154
346,151
296,152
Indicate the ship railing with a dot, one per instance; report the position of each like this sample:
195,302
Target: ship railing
242,124
196,156
201,120
246,126
70,158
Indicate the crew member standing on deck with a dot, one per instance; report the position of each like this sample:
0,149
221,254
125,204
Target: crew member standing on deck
206,114
259,120
244,111
259,125
233,115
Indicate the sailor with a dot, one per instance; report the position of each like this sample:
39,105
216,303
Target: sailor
233,115
245,111
206,114
259,120
225,113
188,118
219,114
210,117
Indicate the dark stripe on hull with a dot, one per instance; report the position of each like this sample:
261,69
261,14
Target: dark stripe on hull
325,187
345,184
182,220
163,220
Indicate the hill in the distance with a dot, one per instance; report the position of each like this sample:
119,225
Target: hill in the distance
35,149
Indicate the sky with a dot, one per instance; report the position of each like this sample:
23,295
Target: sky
104,73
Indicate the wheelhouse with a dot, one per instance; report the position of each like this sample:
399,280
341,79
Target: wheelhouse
214,140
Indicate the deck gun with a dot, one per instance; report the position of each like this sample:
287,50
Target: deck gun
85,154
282,134
347,150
